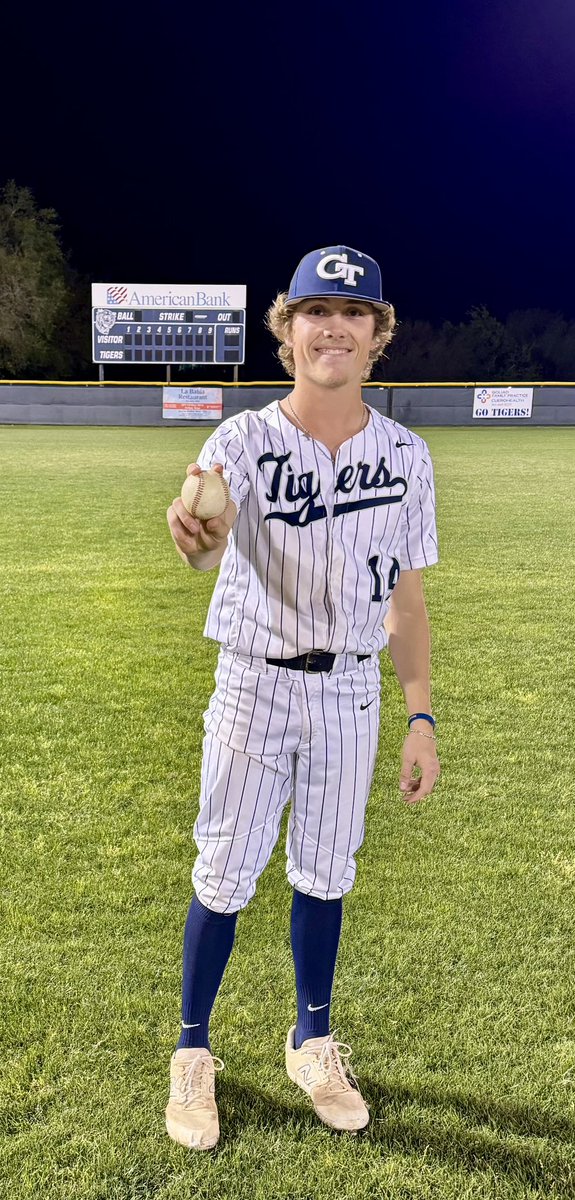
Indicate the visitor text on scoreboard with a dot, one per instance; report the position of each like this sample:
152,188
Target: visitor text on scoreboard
168,323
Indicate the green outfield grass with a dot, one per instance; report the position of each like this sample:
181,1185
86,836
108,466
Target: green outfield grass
455,982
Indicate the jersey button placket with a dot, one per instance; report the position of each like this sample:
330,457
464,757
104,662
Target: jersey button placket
328,477
335,557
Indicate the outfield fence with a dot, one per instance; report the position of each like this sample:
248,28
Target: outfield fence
61,403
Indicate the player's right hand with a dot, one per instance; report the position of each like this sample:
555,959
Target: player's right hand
192,536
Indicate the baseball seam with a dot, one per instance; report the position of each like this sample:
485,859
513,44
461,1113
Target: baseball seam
198,495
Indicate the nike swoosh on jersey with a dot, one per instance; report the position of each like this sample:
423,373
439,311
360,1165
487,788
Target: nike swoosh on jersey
362,706
404,444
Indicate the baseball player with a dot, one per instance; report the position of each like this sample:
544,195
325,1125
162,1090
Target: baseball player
321,548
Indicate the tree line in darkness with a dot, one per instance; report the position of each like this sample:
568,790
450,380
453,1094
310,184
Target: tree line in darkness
45,321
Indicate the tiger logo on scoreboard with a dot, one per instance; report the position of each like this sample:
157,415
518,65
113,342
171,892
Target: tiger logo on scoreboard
104,320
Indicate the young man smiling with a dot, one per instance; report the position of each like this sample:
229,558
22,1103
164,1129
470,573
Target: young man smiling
330,340
329,526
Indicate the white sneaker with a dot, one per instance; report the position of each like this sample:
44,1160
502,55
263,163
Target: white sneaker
192,1114
317,1068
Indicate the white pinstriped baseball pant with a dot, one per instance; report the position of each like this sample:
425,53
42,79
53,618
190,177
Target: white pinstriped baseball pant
274,735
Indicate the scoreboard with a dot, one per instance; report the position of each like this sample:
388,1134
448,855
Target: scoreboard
206,326
156,336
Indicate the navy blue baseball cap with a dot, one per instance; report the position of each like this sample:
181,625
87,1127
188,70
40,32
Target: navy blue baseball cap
337,271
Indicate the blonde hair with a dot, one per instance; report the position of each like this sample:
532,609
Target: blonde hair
279,322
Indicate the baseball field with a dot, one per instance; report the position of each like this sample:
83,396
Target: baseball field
455,981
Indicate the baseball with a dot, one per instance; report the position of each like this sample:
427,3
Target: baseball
205,495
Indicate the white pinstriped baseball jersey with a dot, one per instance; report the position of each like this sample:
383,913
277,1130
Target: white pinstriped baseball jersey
318,545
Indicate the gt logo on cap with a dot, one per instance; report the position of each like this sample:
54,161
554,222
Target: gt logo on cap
342,270
337,271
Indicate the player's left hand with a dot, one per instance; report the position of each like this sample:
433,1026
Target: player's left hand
418,752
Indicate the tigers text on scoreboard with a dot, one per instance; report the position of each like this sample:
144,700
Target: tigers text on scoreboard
161,323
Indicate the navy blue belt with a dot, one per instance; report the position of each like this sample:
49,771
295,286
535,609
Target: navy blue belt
312,662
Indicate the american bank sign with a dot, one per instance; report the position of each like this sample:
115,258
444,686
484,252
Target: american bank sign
168,296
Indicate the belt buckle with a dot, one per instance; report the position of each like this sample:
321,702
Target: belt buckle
309,661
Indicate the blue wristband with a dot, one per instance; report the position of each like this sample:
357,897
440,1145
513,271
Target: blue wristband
419,717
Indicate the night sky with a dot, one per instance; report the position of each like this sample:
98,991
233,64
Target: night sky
178,147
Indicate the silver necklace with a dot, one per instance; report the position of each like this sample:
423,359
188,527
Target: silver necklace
307,432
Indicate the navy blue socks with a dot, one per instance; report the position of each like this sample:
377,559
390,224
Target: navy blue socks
208,940
315,931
